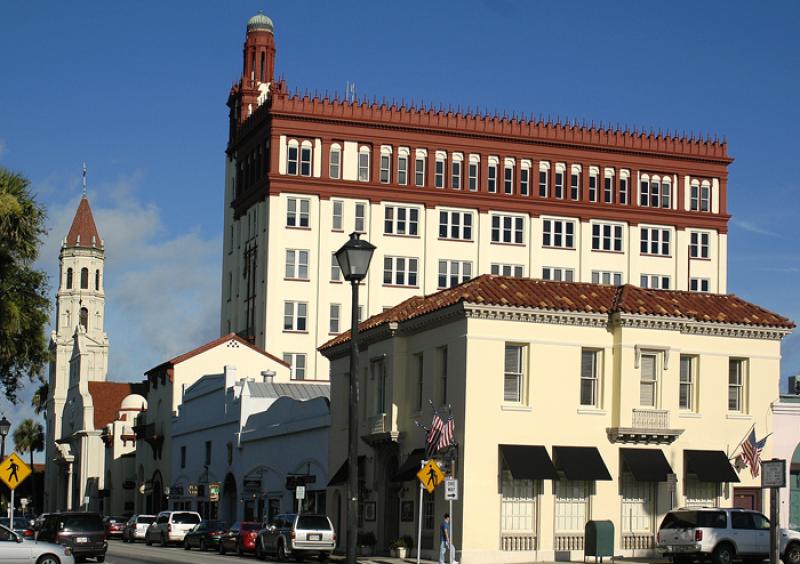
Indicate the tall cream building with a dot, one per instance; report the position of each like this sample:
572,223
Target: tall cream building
445,196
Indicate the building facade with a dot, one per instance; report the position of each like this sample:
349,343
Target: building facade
786,446
445,196
572,402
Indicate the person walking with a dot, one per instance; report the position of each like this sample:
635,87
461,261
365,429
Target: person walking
444,539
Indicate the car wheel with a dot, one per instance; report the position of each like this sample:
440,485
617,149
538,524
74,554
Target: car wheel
48,559
723,554
203,545
259,551
281,553
323,556
147,540
792,554
164,541
186,544
101,558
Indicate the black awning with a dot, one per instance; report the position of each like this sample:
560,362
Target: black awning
646,464
709,466
408,470
580,463
528,462
340,478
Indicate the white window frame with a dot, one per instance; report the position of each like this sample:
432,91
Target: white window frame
298,211
558,186
507,229
637,505
337,215
360,217
525,178
558,233
409,223
454,272
474,174
508,176
608,186
607,277
571,510
653,237
514,373
558,274
457,225
519,507
298,365
335,165
653,383
385,173
297,264
699,244
334,324
590,378
292,157
608,237
364,164
505,269
575,182
456,171
491,175
295,316
336,270
544,179
419,167
401,271
702,285
687,384
623,190
402,166
306,152
737,385
440,169
655,281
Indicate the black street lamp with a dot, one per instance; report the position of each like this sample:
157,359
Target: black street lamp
353,258
5,427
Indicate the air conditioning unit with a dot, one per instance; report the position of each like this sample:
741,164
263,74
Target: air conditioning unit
794,385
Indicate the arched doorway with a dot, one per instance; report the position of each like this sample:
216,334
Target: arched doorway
229,499
157,501
794,490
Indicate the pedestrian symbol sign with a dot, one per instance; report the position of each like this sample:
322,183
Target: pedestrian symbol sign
13,471
430,476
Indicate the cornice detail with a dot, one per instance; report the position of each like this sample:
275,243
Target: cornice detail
581,319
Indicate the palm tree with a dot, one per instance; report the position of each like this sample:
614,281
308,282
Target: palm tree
29,437
39,400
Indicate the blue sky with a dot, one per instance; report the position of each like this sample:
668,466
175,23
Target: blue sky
138,91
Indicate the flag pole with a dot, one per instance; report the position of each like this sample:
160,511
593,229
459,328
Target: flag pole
747,434
419,520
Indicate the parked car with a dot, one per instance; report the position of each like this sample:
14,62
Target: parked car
83,533
171,526
136,527
15,550
240,538
21,527
297,536
722,534
114,526
205,535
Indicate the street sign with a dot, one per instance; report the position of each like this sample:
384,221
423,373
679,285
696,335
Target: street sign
300,492
13,471
430,476
213,491
24,501
451,489
192,489
773,473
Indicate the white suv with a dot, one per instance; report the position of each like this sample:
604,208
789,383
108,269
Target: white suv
723,534
171,526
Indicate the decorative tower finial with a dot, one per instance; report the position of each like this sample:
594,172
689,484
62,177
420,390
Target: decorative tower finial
84,179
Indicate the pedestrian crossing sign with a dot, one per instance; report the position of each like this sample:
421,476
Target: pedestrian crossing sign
13,471
430,476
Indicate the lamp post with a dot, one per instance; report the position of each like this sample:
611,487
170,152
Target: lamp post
5,427
353,258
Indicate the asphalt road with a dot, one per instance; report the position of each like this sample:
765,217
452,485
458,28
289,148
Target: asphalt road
138,553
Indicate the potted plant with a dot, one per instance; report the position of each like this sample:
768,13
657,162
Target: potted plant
366,542
400,547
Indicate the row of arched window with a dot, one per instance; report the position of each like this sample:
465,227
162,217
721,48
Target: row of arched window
84,279
83,318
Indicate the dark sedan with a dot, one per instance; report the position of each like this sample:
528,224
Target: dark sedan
114,526
240,538
205,535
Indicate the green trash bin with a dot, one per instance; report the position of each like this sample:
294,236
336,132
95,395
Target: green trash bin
599,540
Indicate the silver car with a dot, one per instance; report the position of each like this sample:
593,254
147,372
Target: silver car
15,550
297,536
136,527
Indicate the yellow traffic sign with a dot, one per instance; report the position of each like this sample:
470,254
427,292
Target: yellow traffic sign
430,476
13,471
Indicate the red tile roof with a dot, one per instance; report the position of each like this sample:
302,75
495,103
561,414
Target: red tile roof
107,398
578,297
203,348
83,232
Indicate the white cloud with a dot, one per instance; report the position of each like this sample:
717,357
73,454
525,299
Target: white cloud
751,227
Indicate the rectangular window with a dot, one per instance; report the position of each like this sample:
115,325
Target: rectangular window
473,177
292,157
518,505
297,212
655,191
558,233
455,225
655,241
513,375
208,452
698,246
386,171
420,391
648,383
514,270
335,163
699,284
183,457
558,274
687,382
378,369
336,270
305,161
705,198
524,181
623,190
419,171
295,316
575,186
607,237
608,189
400,220
606,277
491,181
336,310
455,175
701,494
508,179
297,264
297,363
337,215
438,173
666,193
363,166
507,229
454,272
542,183
360,218
572,501
644,193
442,375
402,170
400,271
638,505
559,188
590,378
654,281
736,381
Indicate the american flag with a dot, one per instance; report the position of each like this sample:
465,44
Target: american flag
751,449
433,436
448,430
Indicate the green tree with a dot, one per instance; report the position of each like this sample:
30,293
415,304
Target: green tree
24,303
29,437
39,399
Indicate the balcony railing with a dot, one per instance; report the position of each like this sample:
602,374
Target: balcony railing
650,419
568,541
379,429
517,541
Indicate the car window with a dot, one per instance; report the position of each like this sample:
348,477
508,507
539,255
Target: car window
250,526
81,523
741,520
6,535
162,519
313,522
694,519
760,522
185,518
145,519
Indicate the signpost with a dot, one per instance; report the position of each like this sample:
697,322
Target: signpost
773,476
13,471
429,476
213,491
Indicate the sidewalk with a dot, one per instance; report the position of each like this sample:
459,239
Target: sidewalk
413,560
